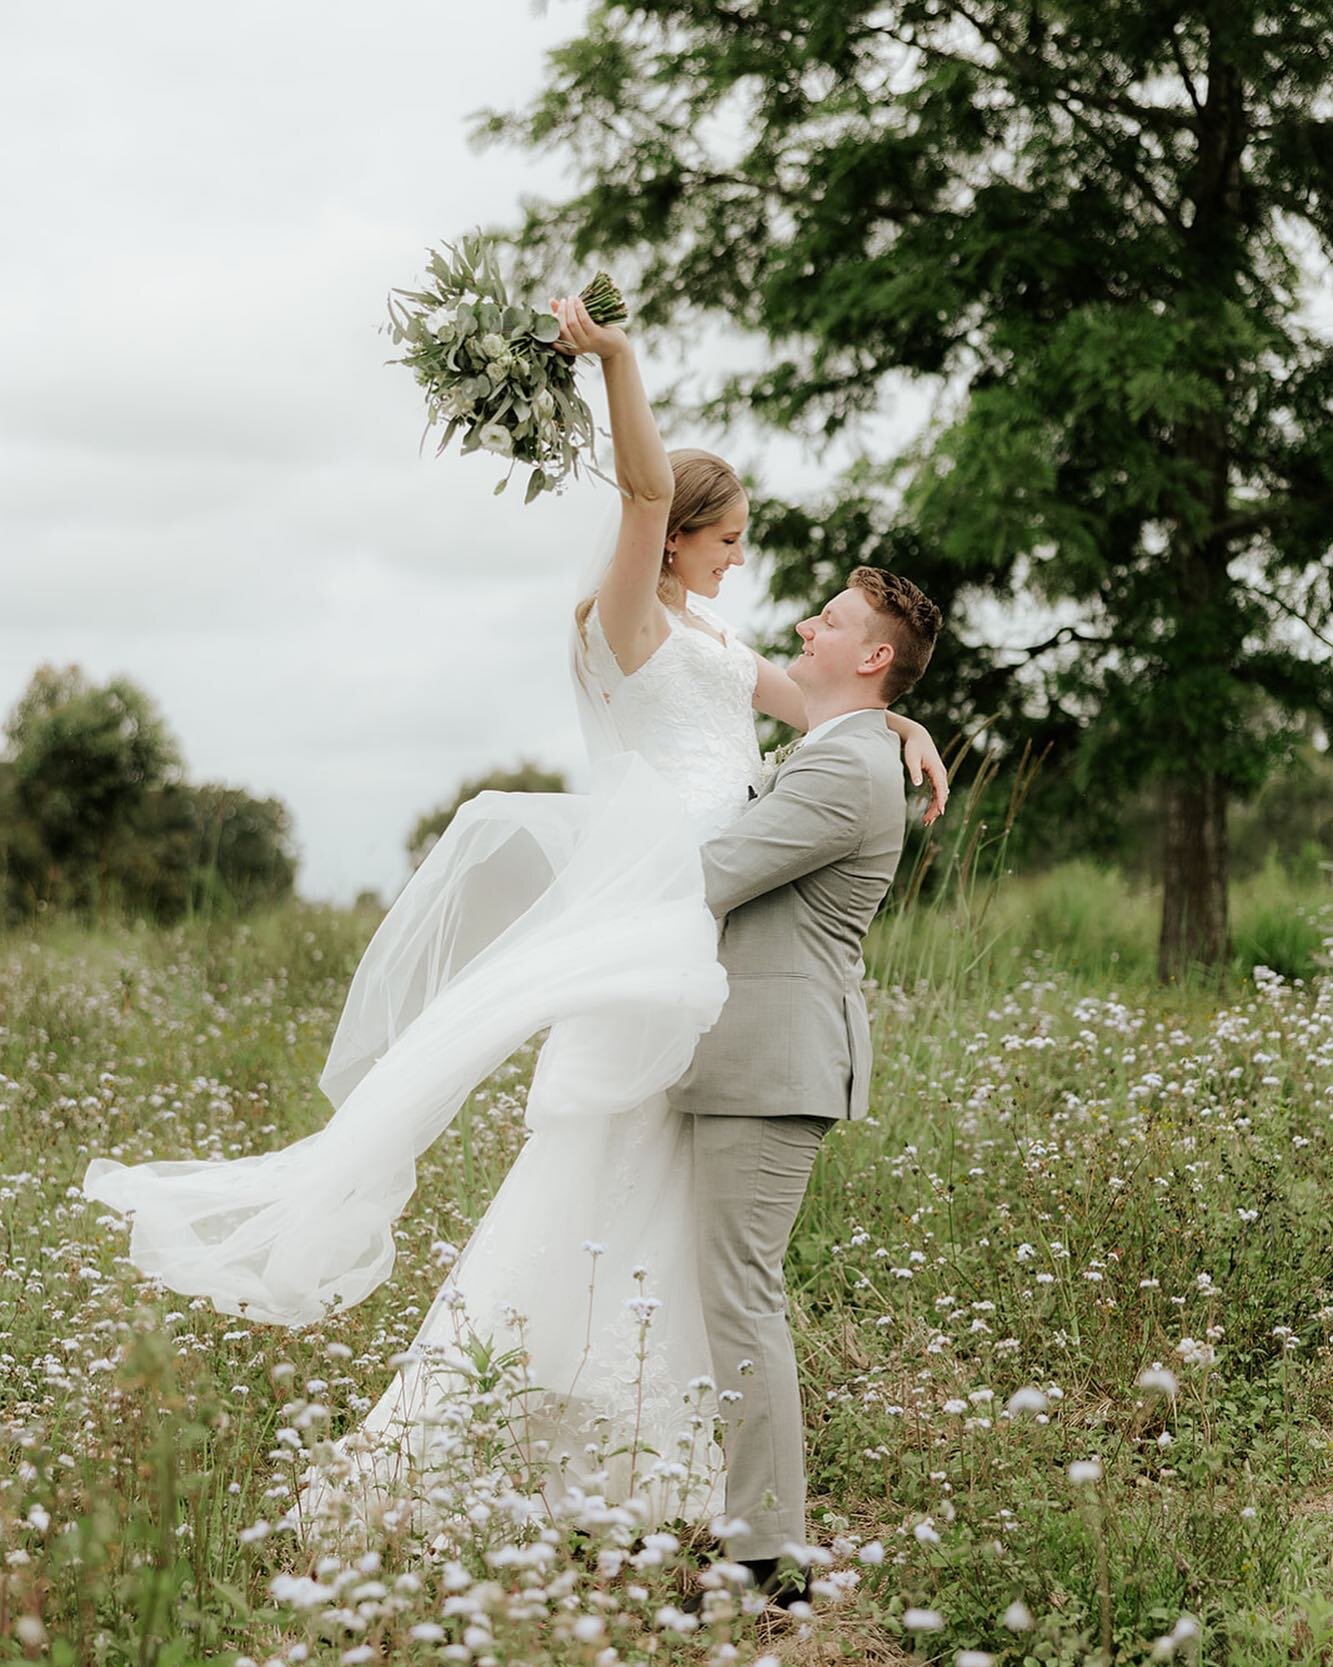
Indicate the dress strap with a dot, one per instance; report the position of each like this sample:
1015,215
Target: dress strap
715,621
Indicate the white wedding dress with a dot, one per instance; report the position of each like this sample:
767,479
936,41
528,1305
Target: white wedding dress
581,914
622,1408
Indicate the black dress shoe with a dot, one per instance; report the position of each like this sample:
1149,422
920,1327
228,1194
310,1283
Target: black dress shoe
795,1588
780,1586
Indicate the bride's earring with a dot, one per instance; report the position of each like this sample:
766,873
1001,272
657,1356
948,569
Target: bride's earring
668,585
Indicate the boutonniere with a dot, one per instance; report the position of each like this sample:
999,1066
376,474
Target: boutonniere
773,761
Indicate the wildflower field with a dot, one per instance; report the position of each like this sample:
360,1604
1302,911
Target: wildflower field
1063,1306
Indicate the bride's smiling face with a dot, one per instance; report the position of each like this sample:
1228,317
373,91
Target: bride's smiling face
701,558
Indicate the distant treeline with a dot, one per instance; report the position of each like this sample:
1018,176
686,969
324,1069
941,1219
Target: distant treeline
526,777
1288,820
95,815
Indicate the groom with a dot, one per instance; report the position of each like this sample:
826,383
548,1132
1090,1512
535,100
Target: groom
796,882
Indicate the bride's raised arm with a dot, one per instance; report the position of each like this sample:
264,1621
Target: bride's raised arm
627,597
777,696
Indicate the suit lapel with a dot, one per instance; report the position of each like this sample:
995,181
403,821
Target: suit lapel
867,723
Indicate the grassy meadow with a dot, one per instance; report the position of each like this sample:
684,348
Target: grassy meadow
1064,1310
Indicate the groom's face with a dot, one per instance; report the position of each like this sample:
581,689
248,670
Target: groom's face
840,648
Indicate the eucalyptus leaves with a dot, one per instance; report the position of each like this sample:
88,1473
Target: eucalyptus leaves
487,369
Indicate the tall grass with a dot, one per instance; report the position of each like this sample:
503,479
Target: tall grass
941,928
958,915
1071,1177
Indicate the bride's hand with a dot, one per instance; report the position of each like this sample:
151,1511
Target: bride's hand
922,757
578,333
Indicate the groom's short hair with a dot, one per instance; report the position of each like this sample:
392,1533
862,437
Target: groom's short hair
908,619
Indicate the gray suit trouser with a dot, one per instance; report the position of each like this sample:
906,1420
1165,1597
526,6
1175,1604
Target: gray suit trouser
750,1175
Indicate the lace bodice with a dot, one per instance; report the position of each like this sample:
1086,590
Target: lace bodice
688,710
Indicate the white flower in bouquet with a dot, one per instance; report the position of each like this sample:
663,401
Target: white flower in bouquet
496,437
487,366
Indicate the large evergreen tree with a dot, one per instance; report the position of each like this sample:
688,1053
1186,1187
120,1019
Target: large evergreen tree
1087,221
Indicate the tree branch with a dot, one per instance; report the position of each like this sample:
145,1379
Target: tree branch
1293,613
1251,520
1066,633
1041,78
1183,67
1120,104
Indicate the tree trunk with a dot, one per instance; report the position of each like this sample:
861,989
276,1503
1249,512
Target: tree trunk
1195,924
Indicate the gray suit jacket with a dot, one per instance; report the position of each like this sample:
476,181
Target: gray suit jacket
796,881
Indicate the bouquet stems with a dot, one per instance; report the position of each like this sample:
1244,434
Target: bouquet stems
604,301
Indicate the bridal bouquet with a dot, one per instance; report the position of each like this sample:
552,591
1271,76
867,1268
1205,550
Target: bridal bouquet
487,367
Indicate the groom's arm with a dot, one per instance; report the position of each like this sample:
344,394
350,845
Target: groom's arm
815,814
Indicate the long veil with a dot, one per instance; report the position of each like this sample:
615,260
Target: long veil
580,912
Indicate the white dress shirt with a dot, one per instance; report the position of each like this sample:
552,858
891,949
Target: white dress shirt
828,723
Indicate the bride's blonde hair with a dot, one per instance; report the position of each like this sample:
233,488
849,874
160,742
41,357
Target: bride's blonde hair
706,486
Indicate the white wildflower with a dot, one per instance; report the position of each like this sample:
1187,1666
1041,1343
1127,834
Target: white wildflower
1157,1380
299,1591
675,1620
1185,1630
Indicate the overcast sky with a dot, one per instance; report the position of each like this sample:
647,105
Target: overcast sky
209,479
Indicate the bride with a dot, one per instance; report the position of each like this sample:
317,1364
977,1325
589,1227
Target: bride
581,913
